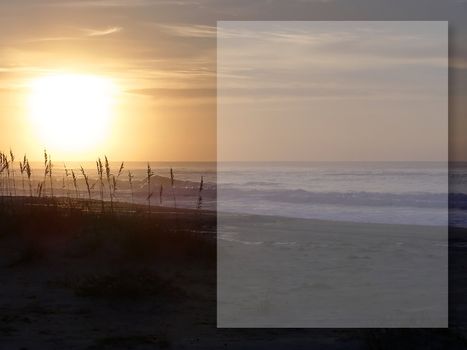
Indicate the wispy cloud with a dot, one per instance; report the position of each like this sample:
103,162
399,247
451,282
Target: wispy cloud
82,34
115,3
176,93
102,32
303,61
193,31
52,38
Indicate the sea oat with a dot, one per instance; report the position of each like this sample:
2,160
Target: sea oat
149,175
200,198
86,180
130,181
172,182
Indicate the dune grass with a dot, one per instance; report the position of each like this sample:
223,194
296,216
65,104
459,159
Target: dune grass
106,178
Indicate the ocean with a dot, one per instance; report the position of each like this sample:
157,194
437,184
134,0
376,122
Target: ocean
373,192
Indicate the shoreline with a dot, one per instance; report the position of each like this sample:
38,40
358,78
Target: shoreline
326,221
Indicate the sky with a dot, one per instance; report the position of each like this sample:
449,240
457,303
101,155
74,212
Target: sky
332,91
162,55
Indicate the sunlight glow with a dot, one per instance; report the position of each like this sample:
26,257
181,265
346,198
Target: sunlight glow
71,112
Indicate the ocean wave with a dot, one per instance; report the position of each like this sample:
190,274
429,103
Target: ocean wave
414,199
260,183
388,173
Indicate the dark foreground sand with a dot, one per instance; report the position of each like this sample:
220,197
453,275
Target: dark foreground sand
288,272
72,279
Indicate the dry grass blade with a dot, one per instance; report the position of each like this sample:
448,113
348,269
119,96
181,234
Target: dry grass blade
12,159
149,175
107,172
39,189
67,174
172,182
100,173
200,198
114,183
2,172
28,173
46,167
120,170
160,194
5,169
130,181
50,177
22,169
75,183
86,180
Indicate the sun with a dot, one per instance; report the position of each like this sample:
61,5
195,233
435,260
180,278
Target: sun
72,112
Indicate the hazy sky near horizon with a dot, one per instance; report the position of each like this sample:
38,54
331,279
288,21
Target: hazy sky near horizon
332,91
163,55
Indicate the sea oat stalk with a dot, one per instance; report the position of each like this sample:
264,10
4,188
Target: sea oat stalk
22,169
75,183
28,173
67,175
50,177
200,198
108,175
130,181
12,159
172,183
100,173
86,180
160,194
46,170
149,175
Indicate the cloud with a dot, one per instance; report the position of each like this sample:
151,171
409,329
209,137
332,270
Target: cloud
192,31
115,3
176,93
52,38
327,45
102,32
84,33
302,61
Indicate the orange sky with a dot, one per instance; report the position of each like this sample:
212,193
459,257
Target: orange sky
162,55
166,104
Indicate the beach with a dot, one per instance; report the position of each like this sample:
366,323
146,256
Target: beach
79,279
82,280
286,272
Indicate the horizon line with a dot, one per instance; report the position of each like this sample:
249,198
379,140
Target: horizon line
257,161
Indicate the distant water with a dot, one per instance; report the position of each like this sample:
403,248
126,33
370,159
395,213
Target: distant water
376,192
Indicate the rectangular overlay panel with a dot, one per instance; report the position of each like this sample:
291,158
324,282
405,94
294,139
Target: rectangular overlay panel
332,174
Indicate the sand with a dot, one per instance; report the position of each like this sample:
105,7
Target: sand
81,280
283,272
